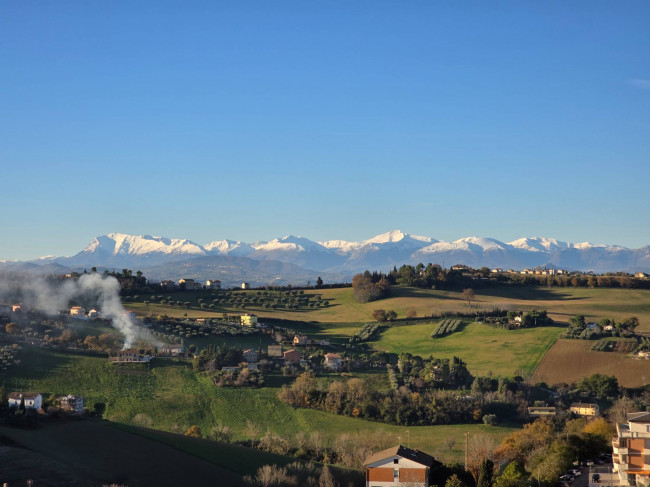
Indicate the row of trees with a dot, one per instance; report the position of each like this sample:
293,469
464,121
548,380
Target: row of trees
434,276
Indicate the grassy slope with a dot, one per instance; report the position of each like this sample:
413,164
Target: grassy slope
562,303
104,454
485,349
174,397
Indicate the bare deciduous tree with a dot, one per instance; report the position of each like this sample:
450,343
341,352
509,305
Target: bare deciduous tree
468,295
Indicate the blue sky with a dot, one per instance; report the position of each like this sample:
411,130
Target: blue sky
331,120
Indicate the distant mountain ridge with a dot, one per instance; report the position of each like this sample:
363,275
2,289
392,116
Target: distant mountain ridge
340,258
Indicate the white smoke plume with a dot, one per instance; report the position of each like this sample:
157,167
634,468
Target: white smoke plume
51,296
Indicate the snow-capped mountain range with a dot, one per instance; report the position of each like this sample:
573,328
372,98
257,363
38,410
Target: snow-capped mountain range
343,258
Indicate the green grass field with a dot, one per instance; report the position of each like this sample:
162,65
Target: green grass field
483,348
562,303
170,396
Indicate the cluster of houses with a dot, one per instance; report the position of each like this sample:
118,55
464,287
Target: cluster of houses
34,401
136,356
585,410
192,285
542,272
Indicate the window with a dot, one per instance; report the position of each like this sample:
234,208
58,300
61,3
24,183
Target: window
396,460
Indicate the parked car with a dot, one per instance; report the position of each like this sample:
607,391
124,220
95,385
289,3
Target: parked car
595,478
567,477
575,472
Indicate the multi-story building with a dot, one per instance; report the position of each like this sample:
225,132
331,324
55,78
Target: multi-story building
632,450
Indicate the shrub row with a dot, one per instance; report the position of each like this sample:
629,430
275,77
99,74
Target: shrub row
445,327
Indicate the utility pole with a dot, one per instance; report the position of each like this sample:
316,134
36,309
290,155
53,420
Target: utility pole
466,449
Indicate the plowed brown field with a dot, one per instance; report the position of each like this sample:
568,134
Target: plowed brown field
570,360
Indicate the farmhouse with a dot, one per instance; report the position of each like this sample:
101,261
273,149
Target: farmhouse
174,349
537,411
245,285
582,409
213,284
72,403
128,356
641,275
93,313
292,356
250,355
595,328
17,308
77,311
168,283
186,283
631,449
333,361
398,466
248,320
32,400
302,340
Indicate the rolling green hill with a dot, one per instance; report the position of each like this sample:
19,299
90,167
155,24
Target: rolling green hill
170,396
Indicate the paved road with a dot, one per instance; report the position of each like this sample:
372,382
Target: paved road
607,478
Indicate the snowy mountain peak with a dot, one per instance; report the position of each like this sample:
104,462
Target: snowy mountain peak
122,244
395,236
538,244
484,243
232,247
289,243
118,250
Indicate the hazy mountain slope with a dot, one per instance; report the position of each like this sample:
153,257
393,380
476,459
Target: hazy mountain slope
233,270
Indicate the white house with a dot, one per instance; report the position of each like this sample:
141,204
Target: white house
93,313
72,403
213,284
333,361
33,400
245,285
